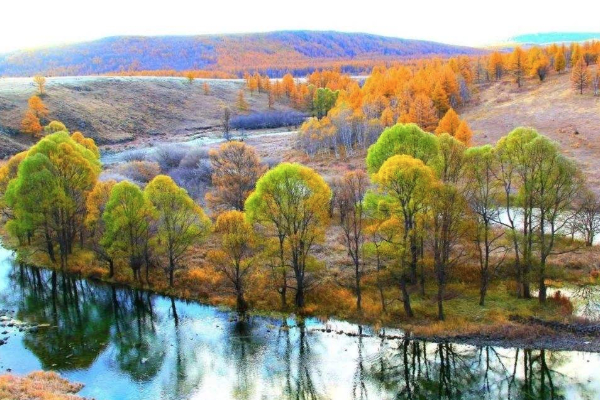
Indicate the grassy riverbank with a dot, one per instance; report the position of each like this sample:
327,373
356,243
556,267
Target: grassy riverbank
38,385
500,319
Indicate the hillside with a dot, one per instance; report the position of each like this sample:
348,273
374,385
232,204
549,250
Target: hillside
274,53
118,109
552,107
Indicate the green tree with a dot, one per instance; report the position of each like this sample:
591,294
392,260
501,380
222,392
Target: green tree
181,223
324,100
399,139
293,200
128,216
49,193
405,184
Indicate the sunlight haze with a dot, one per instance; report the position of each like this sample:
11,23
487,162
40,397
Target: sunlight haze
68,21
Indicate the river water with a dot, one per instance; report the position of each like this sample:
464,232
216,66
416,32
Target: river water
129,344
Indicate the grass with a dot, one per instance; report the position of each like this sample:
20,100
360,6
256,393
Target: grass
38,385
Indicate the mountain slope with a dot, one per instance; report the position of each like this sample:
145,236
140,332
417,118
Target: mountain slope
273,53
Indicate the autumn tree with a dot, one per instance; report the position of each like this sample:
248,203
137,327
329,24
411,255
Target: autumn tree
40,82
181,223
560,62
353,187
454,126
236,168
31,124
580,76
235,257
483,194
517,65
49,193
128,217
292,200
206,88
406,183
190,77
496,65
588,216
423,112
95,205
241,103
226,121
324,100
37,106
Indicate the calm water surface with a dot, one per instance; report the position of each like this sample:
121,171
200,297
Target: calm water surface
127,344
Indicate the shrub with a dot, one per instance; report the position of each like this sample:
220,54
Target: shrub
139,171
168,156
268,119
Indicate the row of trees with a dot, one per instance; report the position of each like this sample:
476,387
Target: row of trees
426,205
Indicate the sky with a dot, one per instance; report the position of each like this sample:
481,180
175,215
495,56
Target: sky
35,23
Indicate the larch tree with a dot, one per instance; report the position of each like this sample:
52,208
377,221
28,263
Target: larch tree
31,124
560,62
241,103
449,124
128,217
293,200
206,88
236,168
580,76
181,223
37,106
517,65
40,82
424,112
236,254
496,65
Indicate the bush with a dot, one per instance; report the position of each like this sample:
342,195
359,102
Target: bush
268,119
139,171
168,156
195,180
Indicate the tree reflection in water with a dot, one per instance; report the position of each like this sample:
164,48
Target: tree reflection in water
177,350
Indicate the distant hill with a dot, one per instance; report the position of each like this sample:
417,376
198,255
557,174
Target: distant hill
554,37
274,53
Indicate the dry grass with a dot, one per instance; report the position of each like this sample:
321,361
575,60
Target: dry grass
128,109
38,385
552,108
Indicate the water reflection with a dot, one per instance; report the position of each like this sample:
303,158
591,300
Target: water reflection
130,344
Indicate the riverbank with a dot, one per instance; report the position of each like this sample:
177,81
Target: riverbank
504,321
40,385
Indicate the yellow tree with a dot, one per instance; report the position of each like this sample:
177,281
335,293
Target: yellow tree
206,88
560,62
235,256
449,124
464,133
518,65
423,113
31,124
580,76
95,205
37,106
496,65
181,223
242,104
40,82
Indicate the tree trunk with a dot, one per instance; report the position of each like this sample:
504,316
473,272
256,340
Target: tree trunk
483,287
405,296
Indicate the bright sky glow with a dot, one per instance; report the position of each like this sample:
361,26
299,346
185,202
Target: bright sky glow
35,23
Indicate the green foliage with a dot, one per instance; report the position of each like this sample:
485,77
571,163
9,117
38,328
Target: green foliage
399,139
128,216
181,222
324,100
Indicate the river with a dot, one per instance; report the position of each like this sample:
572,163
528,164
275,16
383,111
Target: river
126,344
